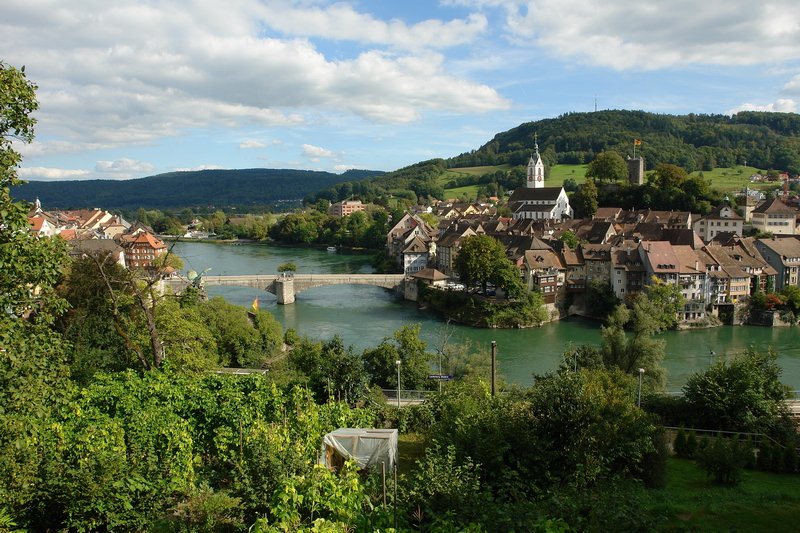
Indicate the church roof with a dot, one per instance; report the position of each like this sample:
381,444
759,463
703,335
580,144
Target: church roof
522,194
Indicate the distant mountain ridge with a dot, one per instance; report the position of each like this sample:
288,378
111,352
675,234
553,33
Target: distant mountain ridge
172,190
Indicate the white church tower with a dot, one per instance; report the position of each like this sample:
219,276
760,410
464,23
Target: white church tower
535,168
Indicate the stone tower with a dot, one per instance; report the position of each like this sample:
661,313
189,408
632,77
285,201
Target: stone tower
636,170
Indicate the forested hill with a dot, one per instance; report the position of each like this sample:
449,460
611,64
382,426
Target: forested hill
218,188
694,142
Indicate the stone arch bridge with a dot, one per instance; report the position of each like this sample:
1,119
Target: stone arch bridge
286,287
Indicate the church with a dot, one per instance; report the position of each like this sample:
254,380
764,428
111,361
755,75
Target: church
535,201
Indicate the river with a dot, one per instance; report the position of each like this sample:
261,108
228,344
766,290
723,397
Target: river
364,315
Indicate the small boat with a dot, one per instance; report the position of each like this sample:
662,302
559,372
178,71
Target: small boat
331,249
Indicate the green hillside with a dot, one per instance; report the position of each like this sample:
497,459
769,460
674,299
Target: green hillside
217,188
727,149
694,142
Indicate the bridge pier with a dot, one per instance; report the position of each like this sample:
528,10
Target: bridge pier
284,290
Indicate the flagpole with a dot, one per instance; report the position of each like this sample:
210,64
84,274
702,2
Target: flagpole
634,148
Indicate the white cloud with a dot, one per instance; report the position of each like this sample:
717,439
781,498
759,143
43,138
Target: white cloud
123,165
51,174
315,152
251,144
621,34
793,85
343,168
198,167
341,22
783,105
126,72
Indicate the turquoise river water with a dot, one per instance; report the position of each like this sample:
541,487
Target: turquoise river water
363,316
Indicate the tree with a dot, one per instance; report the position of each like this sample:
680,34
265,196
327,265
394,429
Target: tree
570,239
742,395
34,376
608,167
638,350
30,266
404,346
482,260
287,267
666,176
661,301
584,200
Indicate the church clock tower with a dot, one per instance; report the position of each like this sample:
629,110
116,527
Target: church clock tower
535,168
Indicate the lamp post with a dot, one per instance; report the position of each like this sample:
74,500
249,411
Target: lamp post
398,382
639,395
711,354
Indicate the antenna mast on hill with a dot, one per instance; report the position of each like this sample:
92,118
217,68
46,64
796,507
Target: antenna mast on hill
595,103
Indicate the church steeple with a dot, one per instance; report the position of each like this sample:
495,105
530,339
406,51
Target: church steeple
535,172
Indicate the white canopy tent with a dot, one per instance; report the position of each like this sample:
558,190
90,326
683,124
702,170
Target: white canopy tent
368,447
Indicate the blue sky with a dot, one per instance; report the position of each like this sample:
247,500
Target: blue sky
132,88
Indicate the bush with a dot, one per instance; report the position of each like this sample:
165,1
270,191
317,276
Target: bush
764,457
691,445
789,459
679,444
724,460
654,463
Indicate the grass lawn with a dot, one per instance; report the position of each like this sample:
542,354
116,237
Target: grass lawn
690,502
734,179
468,192
410,448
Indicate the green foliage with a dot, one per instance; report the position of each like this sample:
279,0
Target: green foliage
584,428
607,167
638,350
478,311
359,230
443,487
600,299
742,395
570,239
724,460
404,346
584,200
130,450
660,301
207,510
333,371
482,260
287,267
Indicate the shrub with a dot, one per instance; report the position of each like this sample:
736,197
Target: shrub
789,459
724,460
679,444
691,445
654,463
764,457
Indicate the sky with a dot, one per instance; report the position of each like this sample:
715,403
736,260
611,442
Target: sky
132,88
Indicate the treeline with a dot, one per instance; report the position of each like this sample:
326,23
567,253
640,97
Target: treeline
311,226
410,184
694,142
274,189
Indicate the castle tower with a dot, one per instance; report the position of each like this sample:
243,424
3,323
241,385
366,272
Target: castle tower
535,168
636,170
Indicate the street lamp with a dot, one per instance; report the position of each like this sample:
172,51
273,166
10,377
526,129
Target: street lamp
639,395
711,354
398,382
